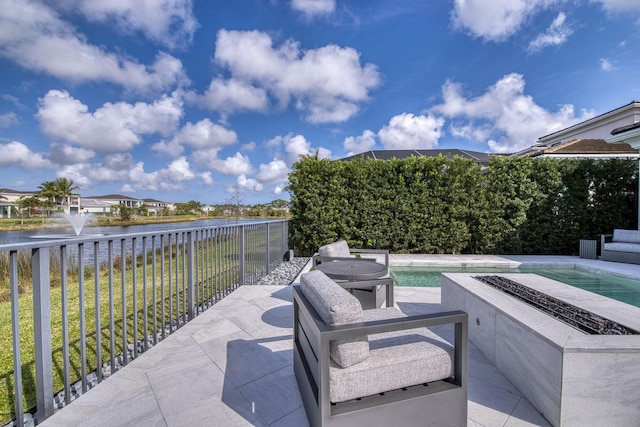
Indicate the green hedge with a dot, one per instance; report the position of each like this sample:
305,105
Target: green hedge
440,205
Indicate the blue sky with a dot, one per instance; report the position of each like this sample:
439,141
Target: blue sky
184,100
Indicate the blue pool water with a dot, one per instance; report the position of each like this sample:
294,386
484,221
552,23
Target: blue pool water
618,288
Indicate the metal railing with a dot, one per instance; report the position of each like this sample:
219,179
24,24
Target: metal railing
98,302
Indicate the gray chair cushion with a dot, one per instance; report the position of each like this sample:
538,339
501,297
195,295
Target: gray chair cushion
626,236
336,249
622,247
336,306
396,360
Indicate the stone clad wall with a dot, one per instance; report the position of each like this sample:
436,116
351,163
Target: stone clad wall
572,378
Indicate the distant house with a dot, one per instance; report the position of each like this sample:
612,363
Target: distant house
580,140
101,205
156,207
480,158
96,206
9,199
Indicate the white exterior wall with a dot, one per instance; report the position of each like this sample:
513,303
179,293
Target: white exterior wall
599,127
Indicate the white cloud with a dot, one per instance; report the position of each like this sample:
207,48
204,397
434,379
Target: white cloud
326,84
171,178
206,178
606,65
8,119
34,36
170,22
469,131
231,166
16,153
294,146
205,134
619,5
494,20
230,96
557,33
66,154
408,131
249,146
172,148
243,185
311,8
111,128
178,170
360,143
515,120
274,171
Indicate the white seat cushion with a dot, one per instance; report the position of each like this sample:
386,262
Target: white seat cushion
396,360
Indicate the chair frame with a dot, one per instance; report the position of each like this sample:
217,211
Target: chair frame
441,403
317,259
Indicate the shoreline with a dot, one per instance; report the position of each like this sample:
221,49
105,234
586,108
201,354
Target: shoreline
17,224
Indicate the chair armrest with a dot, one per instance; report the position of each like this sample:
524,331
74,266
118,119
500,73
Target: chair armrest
604,238
331,333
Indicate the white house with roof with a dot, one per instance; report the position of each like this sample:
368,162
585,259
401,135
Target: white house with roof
596,128
156,207
9,201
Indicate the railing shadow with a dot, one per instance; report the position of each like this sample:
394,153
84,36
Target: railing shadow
259,384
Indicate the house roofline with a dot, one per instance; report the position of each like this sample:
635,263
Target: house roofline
628,106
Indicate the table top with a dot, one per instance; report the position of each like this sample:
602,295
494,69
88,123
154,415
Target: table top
352,270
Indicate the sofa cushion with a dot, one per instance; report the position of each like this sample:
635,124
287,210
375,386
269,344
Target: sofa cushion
335,249
626,236
396,360
336,306
622,247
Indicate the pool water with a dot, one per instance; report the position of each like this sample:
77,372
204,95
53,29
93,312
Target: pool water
618,288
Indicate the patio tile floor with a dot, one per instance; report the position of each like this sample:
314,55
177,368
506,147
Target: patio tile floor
233,366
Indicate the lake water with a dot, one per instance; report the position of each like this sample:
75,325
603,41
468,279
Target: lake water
7,237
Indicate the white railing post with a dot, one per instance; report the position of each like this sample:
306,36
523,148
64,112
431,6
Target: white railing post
42,332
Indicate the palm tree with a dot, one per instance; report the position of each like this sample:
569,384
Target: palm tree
65,189
49,190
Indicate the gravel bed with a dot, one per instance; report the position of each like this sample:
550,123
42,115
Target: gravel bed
285,273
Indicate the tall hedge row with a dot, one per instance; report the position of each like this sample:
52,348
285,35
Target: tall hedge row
440,205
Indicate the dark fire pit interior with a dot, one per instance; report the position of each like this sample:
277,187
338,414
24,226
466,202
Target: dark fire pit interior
571,315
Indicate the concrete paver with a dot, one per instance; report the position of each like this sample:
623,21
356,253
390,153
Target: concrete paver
232,366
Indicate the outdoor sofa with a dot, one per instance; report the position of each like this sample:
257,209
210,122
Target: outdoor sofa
375,367
621,246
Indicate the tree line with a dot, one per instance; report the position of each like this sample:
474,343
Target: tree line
53,196
517,205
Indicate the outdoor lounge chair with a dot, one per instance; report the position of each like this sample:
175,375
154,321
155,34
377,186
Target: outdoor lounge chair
340,251
375,367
